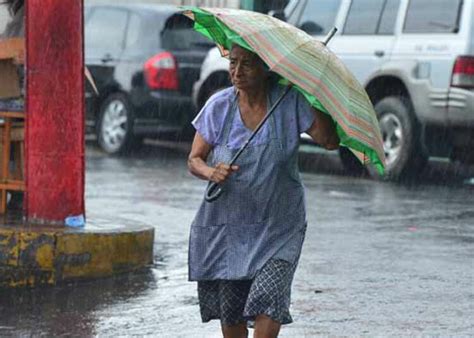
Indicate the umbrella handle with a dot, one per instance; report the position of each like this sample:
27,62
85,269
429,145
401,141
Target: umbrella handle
213,191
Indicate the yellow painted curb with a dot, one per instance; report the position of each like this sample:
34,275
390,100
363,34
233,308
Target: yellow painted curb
32,256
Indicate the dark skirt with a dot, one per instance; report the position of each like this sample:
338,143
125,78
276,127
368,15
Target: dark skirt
239,301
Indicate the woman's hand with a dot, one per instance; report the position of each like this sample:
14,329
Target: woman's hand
222,172
197,162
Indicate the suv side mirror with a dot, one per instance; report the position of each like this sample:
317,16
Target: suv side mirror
279,14
312,28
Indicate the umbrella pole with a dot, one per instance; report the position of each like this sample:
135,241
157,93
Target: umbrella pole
329,36
214,190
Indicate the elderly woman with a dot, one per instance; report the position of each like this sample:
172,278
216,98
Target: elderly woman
245,246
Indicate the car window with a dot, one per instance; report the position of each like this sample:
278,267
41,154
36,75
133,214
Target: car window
319,16
363,17
133,31
432,16
178,34
389,17
105,29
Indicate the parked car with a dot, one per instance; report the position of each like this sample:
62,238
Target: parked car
416,61
144,59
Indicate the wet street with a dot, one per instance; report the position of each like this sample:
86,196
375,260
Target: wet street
380,259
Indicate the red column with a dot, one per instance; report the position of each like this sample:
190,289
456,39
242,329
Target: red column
54,159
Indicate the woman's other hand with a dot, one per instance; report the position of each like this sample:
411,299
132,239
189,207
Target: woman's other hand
221,172
323,131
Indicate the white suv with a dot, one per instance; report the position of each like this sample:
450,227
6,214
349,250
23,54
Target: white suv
416,61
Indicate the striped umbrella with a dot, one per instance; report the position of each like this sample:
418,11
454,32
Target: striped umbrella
308,65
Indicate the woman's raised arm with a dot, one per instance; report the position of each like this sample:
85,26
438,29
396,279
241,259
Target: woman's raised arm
323,131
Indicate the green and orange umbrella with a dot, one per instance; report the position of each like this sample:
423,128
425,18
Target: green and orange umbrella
308,65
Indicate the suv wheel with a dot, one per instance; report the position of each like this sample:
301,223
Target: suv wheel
114,125
401,138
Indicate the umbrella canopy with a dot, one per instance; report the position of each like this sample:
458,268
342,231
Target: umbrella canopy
306,63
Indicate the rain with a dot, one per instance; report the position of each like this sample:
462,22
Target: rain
383,255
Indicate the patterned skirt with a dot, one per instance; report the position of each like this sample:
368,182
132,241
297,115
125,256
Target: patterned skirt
239,301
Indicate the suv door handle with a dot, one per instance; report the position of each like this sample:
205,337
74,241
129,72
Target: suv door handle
379,53
107,58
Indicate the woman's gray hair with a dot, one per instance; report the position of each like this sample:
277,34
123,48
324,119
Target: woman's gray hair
271,76
259,59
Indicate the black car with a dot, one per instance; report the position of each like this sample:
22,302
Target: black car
144,59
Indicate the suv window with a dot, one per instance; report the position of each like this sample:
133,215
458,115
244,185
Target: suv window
363,17
432,16
319,16
389,17
105,29
368,17
178,33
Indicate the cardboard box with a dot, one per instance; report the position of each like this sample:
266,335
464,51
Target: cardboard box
9,79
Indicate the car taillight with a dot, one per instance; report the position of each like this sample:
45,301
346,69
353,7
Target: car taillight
161,72
463,72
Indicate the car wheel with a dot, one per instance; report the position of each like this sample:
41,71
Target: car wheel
114,125
401,138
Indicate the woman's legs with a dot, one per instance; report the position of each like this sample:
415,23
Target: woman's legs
235,331
269,298
225,299
265,327
234,301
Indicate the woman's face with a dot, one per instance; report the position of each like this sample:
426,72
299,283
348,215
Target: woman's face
246,69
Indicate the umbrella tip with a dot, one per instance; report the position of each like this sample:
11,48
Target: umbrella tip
330,35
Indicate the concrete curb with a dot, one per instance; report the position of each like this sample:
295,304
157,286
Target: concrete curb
33,256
